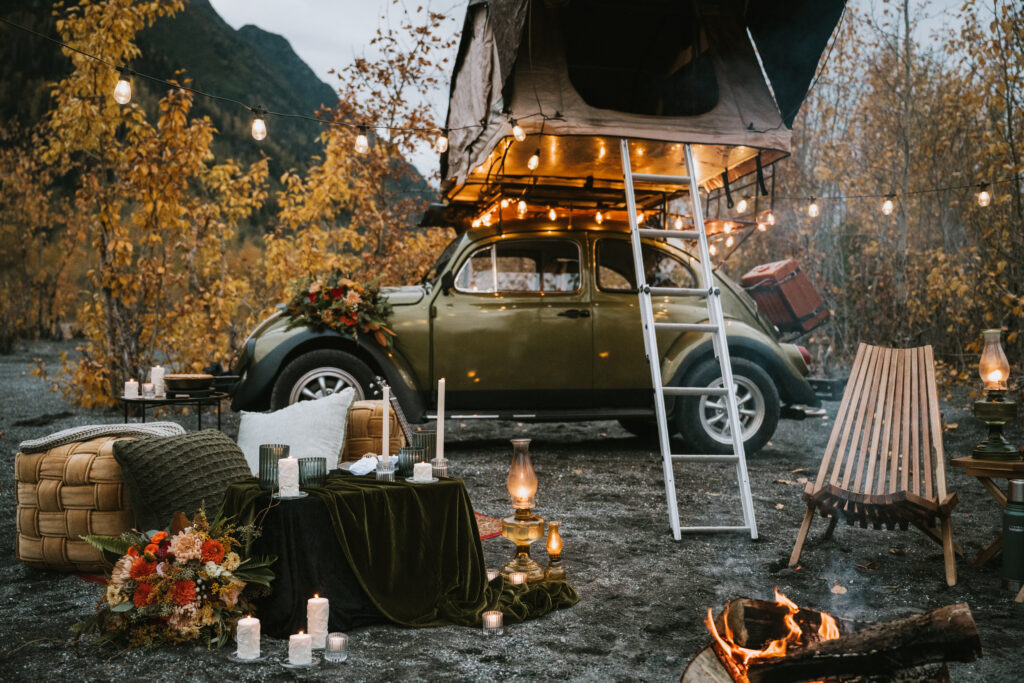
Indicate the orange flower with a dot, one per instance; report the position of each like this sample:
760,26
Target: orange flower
141,568
151,548
184,592
132,551
212,551
158,536
143,595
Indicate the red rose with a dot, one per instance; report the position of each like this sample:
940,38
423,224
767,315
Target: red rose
184,592
212,551
143,595
142,568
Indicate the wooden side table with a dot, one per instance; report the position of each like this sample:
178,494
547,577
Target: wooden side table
985,471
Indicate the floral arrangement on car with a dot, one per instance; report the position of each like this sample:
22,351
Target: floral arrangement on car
184,585
333,301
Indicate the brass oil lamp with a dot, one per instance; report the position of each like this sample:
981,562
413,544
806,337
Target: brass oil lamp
555,571
995,409
523,527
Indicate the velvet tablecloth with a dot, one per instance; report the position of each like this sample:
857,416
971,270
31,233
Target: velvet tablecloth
408,553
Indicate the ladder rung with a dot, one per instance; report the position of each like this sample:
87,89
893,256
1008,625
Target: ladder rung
711,529
679,291
694,391
685,327
714,457
652,232
664,179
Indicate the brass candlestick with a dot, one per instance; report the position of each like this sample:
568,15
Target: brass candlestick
523,527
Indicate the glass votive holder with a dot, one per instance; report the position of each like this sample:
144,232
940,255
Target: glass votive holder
148,390
409,456
492,574
312,472
427,440
439,467
493,623
337,647
517,578
385,471
270,453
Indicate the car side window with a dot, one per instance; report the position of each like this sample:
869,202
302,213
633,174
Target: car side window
615,271
549,266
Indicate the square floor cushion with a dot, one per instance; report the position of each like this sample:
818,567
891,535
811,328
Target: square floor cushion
312,429
168,474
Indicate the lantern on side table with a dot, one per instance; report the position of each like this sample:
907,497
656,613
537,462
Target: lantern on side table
524,527
995,409
555,570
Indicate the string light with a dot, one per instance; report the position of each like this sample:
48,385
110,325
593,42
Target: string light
517,131
259,123
362,143
552,214
984,198
679,223
534,161
486,219
888,205
521,208
639,217
123,89
761,227
504,202
741,205
729,241
812,208
599,217
712,250
441,143
770,218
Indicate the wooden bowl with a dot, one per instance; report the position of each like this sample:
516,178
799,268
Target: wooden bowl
184,382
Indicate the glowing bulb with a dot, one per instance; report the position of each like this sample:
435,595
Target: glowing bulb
599,217
486,219
770,218
984,198
728,228
441,143
729,241
679,223
534,161
761,227
812,208
639,216
504,203
123,89
712,250
741,206
552,214
517,131
888,205
521,208
476,223
362,144
259,125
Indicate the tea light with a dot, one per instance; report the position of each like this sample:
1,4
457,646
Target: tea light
517,578
149,389
493,622
317,611
248,637
300,649
288,477
131,389
492,574
337,647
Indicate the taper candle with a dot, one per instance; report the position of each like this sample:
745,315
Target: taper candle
385,429
439,451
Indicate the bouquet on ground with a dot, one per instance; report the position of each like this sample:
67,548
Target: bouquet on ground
188,584
335,302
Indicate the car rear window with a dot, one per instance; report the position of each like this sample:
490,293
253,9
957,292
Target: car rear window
548,266
615,272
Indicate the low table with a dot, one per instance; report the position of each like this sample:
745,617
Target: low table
213,399
985,471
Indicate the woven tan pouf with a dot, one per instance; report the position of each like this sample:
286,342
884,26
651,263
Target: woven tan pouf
65,493
365,430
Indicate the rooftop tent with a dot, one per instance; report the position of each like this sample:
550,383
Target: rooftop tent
577,75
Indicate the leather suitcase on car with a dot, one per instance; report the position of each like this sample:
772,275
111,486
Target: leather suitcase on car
785,296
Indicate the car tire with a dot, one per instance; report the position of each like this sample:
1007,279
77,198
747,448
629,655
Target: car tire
703,421
321,373
643,429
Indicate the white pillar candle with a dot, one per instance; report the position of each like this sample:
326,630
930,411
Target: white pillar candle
288,477
386,426
317,612
248,637
300,649
156,376
440,419
131,389
493,622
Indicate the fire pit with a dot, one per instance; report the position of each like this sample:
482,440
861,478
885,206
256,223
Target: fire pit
761,641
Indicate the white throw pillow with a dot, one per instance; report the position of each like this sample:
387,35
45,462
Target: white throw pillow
312,429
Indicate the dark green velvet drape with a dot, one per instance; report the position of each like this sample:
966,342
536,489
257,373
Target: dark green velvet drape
415,550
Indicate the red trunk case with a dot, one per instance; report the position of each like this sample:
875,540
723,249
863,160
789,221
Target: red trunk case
786,296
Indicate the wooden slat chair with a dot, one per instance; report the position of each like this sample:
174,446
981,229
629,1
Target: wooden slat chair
884,463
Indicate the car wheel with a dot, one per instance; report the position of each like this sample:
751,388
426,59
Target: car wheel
704,421
321,373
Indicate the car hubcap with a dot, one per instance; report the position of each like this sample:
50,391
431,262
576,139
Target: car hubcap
714,416
321,382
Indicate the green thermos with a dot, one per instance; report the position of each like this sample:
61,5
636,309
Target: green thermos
1013,535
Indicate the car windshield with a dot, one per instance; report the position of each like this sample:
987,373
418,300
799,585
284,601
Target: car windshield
442,263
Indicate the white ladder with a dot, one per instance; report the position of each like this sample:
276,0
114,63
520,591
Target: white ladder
715,327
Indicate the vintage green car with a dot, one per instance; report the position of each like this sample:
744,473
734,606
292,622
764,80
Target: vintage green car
538,322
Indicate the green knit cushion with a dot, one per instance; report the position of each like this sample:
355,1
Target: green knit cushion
168,474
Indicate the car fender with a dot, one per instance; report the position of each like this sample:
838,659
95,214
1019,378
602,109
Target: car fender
744,342
256,386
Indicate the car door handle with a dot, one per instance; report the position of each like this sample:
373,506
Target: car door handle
575,313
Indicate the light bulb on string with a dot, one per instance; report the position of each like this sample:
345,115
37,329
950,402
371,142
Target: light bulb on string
770,218
741,205
712,250
679,223
521,208
984,198
123,89
812,208
729,241
534,161
761,227
441,143
486,219
552,214
362,143
475,223
888,205
517,131
504,202
259,123
599,217
639,217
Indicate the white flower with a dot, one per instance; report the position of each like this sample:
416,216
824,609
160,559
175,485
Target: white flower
114,596
231,561
213,570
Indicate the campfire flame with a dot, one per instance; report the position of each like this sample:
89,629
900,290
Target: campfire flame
743,656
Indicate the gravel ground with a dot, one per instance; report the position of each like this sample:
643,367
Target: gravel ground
643,596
